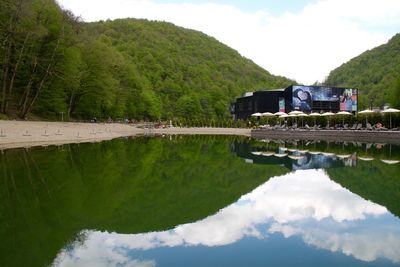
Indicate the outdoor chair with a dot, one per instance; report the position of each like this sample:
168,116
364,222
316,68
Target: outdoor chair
359,126
369,127
354,126
317,127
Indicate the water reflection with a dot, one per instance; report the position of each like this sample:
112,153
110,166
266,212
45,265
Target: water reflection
304,204
296,155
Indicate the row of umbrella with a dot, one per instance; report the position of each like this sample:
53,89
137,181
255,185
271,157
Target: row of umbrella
298,157
297,113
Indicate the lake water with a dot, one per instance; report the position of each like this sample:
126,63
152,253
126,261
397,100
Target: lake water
201,201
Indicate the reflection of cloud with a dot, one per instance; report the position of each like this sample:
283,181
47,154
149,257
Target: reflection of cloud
364,245
98,251
305,203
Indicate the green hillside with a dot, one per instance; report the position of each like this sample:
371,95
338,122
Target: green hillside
375,72
52,62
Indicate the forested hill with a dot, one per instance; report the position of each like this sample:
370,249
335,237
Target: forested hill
52,63
375,72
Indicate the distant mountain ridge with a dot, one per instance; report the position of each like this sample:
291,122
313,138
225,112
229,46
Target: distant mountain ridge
375,72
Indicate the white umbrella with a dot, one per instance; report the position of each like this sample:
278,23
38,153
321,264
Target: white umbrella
280,114
257,153
327,114
344,156
295,112
388,161
302,115
280,155
283,116
267,114
366,112
344,113
257,114
390,111
295,157
267,153
314,114
365,158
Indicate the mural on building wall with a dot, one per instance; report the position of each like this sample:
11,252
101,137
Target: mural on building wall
348,100
303,97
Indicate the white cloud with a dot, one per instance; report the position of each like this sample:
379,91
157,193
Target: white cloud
304,203
304,46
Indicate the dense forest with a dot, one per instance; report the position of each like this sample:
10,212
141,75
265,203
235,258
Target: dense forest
375,72
53,63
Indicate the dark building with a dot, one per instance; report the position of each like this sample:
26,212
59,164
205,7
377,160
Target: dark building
296,97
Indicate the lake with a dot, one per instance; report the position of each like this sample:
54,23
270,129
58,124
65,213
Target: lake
201,201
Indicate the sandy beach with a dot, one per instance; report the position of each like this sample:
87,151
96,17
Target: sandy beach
15,134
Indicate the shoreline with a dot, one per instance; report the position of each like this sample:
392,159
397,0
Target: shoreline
17,134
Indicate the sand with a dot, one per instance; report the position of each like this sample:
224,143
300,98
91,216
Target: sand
15,134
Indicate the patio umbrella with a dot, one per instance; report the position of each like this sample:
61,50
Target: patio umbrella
267,153
343,113
279,114
295,112
292,116
389,161
314,114
295,157
257,114
327,114
343,156
267,114
366,112
390,111
302,115
366,158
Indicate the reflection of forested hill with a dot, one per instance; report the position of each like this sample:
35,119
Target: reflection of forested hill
49,195
372,180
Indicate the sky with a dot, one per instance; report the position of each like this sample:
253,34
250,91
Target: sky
300,39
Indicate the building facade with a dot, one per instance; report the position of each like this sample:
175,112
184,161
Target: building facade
296,97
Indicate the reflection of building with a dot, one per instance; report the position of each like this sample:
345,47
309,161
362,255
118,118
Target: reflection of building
293,159
296,97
